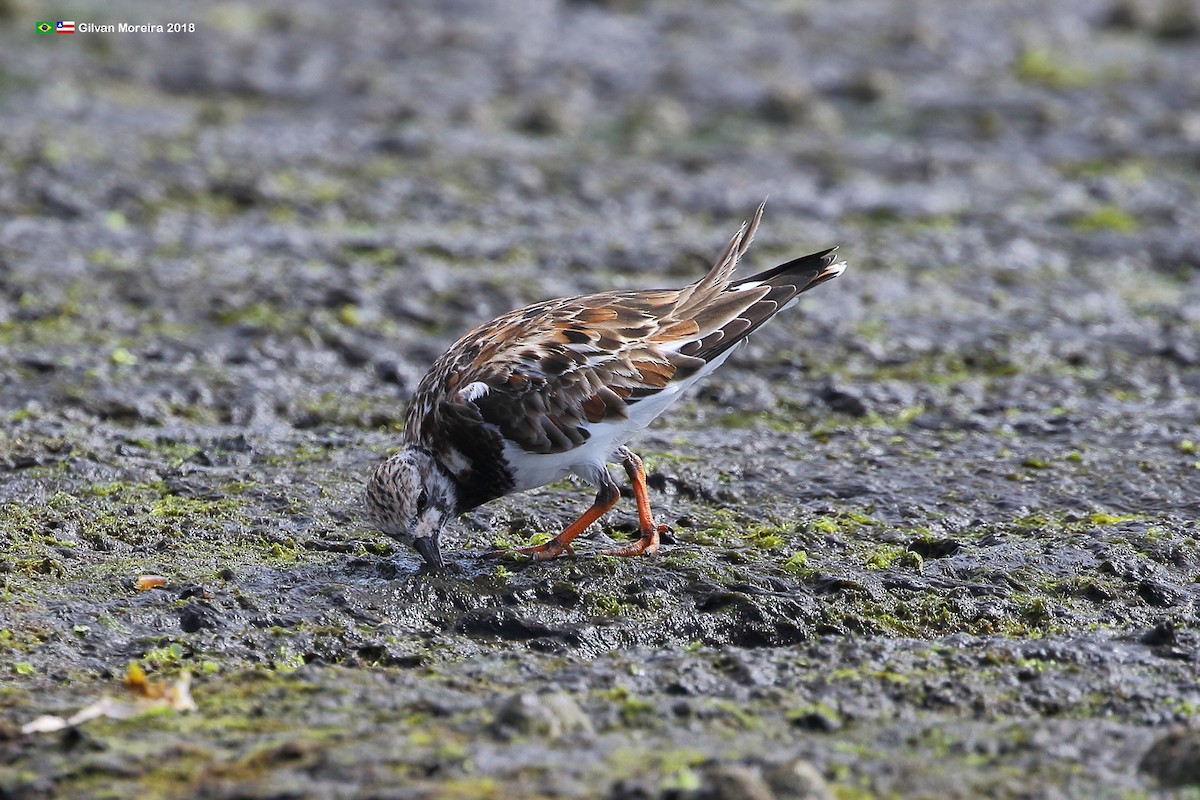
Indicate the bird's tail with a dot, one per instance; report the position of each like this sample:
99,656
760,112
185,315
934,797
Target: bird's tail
748,303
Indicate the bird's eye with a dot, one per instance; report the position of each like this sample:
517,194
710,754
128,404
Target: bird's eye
422,501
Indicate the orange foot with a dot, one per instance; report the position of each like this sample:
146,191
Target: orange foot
606,497
647,545
541,552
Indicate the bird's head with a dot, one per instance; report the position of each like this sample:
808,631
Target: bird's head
410,497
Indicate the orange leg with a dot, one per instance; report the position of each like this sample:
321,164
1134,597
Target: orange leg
648,544
606,498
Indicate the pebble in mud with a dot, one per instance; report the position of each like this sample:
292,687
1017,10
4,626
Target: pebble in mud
542,715
626,789
197,615
734,782
798,779
1174,759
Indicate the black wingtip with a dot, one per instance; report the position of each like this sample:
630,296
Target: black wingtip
817,262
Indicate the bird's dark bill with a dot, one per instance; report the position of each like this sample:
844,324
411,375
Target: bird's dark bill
427,546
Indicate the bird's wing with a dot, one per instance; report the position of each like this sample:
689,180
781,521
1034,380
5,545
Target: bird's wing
540,375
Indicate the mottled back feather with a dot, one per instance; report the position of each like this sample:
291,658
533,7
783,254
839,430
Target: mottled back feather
541,375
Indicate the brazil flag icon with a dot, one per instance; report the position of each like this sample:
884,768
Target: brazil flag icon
45,27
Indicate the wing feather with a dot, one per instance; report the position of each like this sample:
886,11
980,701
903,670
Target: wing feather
541,375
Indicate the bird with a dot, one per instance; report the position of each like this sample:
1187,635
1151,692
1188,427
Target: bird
559,387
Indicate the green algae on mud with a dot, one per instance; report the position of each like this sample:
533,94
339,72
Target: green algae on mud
637,712
271,577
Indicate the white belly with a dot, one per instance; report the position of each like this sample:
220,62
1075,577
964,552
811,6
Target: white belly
531,470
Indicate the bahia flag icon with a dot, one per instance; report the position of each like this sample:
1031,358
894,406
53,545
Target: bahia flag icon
64,27
45,27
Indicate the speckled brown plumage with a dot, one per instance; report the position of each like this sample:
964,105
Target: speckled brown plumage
559,385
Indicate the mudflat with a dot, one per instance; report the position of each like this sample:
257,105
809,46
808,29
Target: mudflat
933,531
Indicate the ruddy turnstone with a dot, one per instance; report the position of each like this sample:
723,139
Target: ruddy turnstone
560,386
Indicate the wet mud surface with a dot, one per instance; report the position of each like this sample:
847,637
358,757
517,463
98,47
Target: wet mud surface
933,532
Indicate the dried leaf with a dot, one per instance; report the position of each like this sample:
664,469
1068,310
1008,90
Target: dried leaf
145,582
147,696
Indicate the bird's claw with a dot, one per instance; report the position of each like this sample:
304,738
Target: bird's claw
541,552
639,548
647,545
